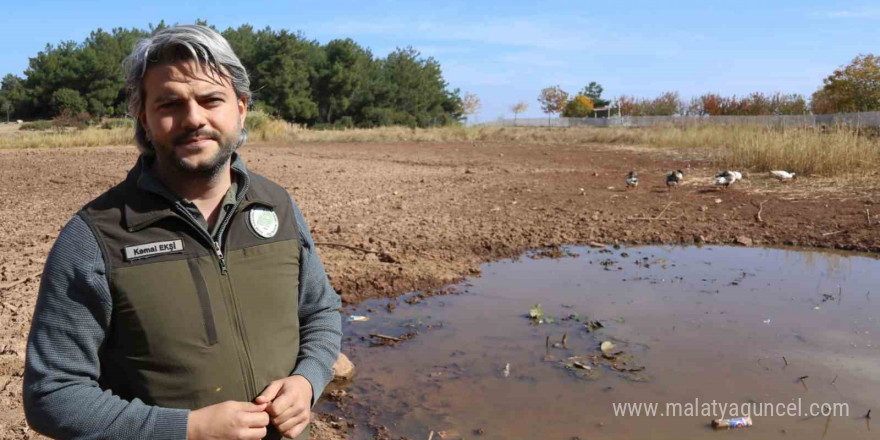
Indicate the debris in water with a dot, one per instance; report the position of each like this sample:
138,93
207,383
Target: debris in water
579,366
358,318
449,434
739,422
767,321
536,314
593,325
385,337
608,348
506,371
803,382
547,356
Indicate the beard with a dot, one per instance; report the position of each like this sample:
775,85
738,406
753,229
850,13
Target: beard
204,170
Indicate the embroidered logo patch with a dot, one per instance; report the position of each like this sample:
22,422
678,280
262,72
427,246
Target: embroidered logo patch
263,221
153,249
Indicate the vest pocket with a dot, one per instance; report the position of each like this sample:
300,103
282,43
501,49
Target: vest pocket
204,301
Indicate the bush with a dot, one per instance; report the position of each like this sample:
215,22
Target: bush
68,119
579,107
36,126
117,123
256,120
69,100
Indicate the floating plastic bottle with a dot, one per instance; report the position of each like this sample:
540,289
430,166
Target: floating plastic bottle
738,422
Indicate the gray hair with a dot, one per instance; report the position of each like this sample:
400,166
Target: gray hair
181,43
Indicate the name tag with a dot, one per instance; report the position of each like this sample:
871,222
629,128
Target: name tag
153,249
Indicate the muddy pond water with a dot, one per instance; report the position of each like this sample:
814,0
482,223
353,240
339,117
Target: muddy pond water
790,331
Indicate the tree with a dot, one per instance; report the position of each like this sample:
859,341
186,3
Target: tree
519,107
853,88
667,104
822,103
69,100
12,91
300,80
552,100
594,92
470,104
282,77
6,107
341,79
628,106
579,107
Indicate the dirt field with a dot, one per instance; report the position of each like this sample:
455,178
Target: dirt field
431,213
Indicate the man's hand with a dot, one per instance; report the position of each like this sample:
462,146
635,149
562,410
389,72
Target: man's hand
228,420
290,404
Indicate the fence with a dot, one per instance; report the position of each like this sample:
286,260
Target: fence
862,119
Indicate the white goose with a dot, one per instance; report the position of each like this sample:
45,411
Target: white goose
726,178
782,175
632,179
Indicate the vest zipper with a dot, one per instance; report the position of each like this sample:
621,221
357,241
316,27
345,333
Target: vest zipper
214,244
219,252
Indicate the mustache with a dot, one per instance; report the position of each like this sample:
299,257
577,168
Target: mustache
200,133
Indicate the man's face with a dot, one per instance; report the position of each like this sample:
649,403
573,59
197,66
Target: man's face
192,118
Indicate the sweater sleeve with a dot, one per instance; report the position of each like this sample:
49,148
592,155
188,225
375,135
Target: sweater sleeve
320,322
62,398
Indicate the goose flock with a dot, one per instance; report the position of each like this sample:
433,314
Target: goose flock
723,180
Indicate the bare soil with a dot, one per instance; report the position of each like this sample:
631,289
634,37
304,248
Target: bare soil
391,218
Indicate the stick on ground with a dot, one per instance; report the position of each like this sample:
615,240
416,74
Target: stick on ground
20,281
760,210
358,249
658,217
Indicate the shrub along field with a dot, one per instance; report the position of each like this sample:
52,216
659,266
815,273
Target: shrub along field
827,152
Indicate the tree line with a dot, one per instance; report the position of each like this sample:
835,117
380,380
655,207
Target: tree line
339,84
852,88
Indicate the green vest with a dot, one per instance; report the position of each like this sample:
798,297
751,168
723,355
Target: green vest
195,324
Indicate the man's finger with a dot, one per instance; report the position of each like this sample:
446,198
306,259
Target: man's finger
287,414
294,426
252,407
281,403
255,433
255,419
269,393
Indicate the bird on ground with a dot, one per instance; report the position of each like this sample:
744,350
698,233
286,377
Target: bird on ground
726,178
674,178
782,175
632,179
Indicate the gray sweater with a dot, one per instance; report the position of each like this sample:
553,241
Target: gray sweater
62,398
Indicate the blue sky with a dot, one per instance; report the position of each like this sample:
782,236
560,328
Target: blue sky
507,51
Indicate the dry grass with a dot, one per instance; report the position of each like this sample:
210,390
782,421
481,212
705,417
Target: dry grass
89,137
806,150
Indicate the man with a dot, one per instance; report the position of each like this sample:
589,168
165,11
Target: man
188,301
